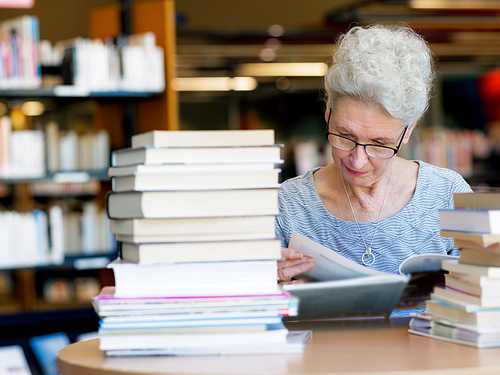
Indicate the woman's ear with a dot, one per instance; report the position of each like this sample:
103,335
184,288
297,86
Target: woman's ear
409,131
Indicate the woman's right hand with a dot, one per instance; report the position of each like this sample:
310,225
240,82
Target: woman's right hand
295,263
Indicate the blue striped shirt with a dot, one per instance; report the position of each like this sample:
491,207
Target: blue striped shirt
413,230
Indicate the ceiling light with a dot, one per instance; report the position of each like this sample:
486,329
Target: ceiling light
32,108
283,69
214,84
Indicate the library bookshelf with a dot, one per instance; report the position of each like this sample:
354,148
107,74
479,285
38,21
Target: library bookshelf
24,307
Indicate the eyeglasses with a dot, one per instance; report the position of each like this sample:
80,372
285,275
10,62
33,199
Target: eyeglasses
373,151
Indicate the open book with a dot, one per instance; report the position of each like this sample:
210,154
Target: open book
345,288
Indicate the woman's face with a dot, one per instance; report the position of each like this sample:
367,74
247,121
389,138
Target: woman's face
366,124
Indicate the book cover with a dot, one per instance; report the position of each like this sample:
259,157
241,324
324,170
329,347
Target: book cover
478,317
476,279
276,334
216,251
343,285
487,200
162,155
196,181
13,361
199,203
208,237
472,269
469,298
484,258
444,329
442,336
188,227
465,220
183,167
467,287
473,240
194,279
200,138
296,343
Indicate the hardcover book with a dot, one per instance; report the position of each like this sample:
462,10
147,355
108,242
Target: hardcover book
163,155
216,251
197,203
193,226
196,181
200,138
465,220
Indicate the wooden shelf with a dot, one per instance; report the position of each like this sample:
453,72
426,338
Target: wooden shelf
52,93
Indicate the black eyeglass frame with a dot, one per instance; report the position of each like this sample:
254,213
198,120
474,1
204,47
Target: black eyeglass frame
395,150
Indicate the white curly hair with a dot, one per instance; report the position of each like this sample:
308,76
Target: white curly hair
389,65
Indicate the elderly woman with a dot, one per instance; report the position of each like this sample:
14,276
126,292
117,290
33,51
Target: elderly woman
370,205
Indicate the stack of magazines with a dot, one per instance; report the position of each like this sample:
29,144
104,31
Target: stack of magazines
194,213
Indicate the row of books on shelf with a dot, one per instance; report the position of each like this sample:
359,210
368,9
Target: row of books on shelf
197,273
19,67
466,309
448,148
40,238
33,153
129,63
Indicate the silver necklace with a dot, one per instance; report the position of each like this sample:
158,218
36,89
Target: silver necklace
368,258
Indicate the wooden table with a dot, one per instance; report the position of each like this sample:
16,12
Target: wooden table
338,347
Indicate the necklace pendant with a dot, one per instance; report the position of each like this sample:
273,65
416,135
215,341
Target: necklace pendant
368,258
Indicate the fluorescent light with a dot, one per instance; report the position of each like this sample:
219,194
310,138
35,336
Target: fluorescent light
283,69
455,4
214,83
243,83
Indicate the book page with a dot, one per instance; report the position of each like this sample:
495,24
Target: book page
424,262
13,361
328,264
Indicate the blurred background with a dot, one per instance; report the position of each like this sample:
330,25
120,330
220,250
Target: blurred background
224,38
78,78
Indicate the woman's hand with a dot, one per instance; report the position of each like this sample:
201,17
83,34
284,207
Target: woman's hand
294,264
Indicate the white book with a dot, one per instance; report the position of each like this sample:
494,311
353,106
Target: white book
216,251
238,236
52,146
194,227
186,204
274,335
42,256
13,361
472,269
477,221
56,234
90,228
100,151
194,279
196,181
164,155
68,151
295,344
227,166
203,138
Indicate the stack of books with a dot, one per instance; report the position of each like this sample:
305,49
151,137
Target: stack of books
194,212
467,309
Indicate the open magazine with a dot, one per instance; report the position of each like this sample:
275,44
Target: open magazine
345,288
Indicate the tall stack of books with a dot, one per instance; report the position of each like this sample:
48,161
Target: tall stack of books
467,309
194,212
